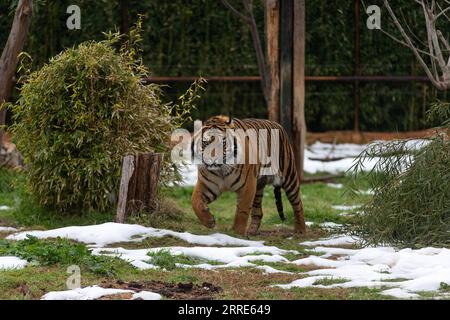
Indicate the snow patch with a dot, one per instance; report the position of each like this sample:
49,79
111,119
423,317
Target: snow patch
109,233
406,272
332,241
335,185
7,229
229,257
9,262
324,225
400,294
346,208
368,192
146,295
88,293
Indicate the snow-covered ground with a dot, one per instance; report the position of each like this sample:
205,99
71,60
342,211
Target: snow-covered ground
229,257
400,273
407,272
109,233
7,229
8,262
346,208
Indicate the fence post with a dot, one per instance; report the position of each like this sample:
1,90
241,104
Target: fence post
299,122
286,77
273,57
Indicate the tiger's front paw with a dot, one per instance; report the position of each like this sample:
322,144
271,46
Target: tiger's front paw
209,223
252,231
240,230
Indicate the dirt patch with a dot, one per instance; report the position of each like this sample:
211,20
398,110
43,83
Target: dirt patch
166,241
180,291
246,284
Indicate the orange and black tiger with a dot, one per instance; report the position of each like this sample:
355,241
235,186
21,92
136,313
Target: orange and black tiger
247,178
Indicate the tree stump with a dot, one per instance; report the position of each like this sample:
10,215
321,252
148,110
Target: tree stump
138,186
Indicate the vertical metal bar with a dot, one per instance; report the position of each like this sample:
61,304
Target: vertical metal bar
357,65
286,65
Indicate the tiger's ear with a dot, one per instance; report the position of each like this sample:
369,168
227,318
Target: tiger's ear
230,120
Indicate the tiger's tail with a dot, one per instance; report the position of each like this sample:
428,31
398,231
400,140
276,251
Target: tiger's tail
279,202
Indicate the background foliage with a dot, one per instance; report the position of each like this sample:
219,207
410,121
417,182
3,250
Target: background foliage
201,37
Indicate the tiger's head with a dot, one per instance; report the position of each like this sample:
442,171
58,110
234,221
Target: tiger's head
213,146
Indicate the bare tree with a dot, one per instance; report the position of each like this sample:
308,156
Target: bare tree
434,53
249,18
10,55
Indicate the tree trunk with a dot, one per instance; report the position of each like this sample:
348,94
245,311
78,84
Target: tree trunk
124,16
286,65
138,186
273,57
9,58
299,125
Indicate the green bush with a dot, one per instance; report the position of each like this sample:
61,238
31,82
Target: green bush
81,113
411,203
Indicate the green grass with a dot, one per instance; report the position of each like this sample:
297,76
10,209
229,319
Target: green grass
328,281
165,260
326,294
57,252
25,212
183,276
281,266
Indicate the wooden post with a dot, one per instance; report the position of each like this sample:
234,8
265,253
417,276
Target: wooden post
286,77
138,185
124,16
292,76
273,57
10,55
299,123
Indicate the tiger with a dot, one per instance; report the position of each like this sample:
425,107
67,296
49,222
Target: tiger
245,179
10,157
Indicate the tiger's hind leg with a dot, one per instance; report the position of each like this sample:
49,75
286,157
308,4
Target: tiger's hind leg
293,194
299,215
257,212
